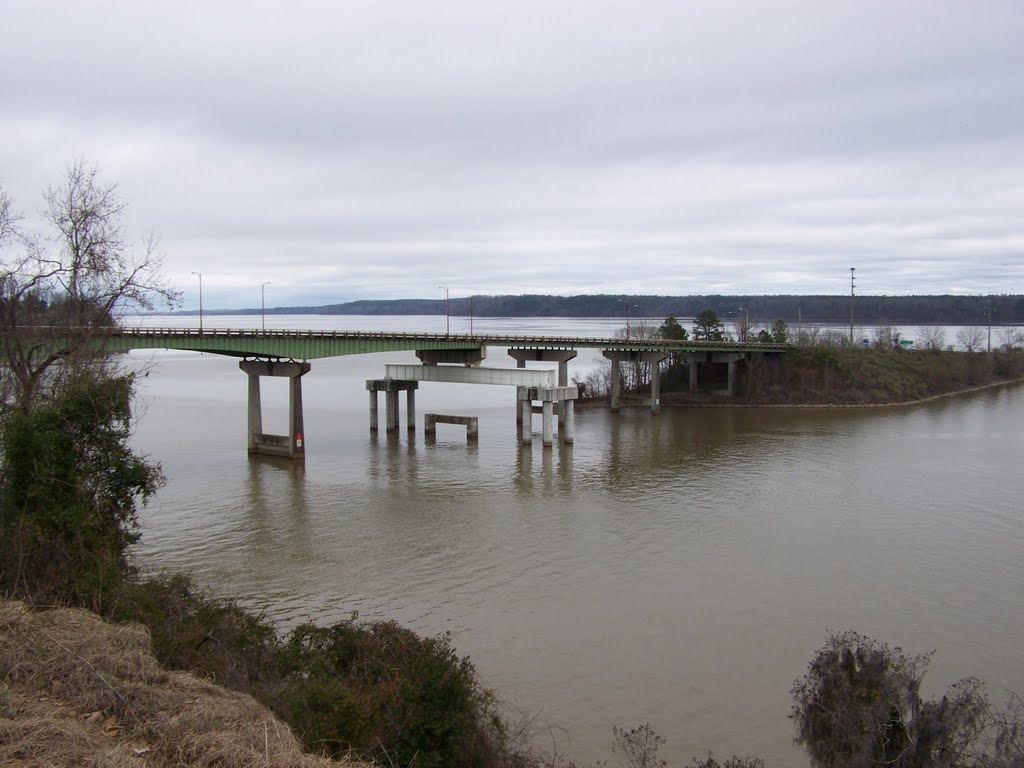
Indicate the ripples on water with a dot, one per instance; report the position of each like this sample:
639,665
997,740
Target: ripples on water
676,570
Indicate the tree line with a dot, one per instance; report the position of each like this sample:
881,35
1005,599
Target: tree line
793,309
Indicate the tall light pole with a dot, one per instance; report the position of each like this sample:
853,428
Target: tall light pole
200,276
851,305
263,303
447,316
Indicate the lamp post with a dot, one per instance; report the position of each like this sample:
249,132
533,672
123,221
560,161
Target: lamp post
746,323
851,305
447,316
263,303
200,276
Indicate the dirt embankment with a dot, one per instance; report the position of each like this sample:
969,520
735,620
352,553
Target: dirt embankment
75,690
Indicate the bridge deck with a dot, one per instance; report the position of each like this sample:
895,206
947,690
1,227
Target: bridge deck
310,345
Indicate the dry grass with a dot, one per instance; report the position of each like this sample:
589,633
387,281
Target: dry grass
78,691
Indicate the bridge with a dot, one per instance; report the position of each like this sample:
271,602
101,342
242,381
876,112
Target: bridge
452,358
312,345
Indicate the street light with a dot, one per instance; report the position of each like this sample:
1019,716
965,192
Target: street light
263,303
200,276
447,317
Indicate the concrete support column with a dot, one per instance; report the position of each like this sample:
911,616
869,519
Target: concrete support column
520,394
296,429
732,378
526,420
391,410
255,411
616,386
292,445
693,372
547,434
656,387
410,410
373,410
567,427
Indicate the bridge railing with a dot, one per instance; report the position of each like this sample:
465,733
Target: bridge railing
494,339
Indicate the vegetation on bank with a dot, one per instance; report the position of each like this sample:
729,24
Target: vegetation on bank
820,368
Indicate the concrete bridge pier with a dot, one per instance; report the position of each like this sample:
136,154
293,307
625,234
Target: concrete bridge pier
293,444
560,356
549,397
619,356
391,388
727,358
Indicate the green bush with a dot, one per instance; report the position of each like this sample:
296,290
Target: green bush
69,489
419,703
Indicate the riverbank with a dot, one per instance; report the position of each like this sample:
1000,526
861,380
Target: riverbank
79,691
823,377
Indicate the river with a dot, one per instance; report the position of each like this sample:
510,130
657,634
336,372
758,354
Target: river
678,570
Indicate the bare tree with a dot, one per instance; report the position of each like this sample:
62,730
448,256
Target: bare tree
57,294
808,337
933,338
970,339
86,216
1011,338
887,337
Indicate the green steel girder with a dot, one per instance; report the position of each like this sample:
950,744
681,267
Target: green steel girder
311,345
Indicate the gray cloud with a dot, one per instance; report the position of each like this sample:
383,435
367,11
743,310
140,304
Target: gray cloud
367,149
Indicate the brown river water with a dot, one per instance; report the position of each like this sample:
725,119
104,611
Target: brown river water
677,569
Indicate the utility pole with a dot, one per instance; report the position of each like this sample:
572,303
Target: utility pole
200,276
629,308
851,305
263,303
989,308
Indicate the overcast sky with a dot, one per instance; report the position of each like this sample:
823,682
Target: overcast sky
347,150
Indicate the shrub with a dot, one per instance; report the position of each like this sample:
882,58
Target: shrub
191,630
397,697
859,705
69,489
